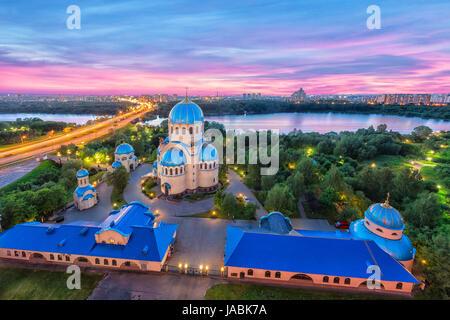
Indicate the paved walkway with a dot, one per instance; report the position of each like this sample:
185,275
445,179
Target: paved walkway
98,213
237,186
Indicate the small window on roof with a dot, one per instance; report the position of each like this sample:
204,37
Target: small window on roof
250,272
394,233
52,257
379,230
267,275
399,285
97,261
277,274
336,280
347,281
114,263
326,279
105,262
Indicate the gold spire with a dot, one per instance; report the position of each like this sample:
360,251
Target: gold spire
186,97
386,203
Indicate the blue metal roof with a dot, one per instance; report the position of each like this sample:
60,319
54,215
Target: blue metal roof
186,112
173,157
275,222
209,153
116,164
79,237
82,173
385,216
88,196
401,249
81,191
314,255
124,148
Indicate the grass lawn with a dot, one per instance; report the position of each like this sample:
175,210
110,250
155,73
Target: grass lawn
41,170
391,161
213,213
28,284
198,196
259,292
117,199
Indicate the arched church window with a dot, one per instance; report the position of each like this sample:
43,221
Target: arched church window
326,279
336,280
267,274
250,272
176,170
170,171
210,166
191,130
176,130
171,129
165,171
347,281
183,131
399,285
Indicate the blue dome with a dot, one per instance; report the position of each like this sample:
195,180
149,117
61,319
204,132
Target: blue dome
276,222
209,153
173,157
124,148
401,249
116,164
186,112
82,173
385,216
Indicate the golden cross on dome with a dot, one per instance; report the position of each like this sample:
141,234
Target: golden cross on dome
186,97
387,200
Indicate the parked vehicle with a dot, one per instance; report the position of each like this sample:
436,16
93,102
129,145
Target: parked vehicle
342,225
59,219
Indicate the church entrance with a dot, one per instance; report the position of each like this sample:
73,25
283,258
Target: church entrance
166,190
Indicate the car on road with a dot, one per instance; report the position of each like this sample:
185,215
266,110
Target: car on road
342,225
59,219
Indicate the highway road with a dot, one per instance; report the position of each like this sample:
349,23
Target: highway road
77,136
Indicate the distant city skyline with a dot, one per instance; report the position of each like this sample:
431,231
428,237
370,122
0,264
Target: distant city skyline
272,47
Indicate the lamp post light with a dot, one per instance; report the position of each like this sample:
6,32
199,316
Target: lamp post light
222,269
206,269
185,268
201,269
180,267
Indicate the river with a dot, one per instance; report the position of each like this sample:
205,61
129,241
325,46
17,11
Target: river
326,122
285,122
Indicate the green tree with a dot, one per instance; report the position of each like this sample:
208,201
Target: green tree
229,204
309,171
253,178
118,179
280,198
348,214
329,197
296,183
267,182
426,210
334,179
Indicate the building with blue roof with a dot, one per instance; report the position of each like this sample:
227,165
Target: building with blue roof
84,196
275,251
384,225
124,157
128,239
186,161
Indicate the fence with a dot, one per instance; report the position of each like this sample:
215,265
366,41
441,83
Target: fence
200,271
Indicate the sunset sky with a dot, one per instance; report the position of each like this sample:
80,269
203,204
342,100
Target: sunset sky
267,46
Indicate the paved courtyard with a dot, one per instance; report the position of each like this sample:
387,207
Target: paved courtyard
200,241
135,286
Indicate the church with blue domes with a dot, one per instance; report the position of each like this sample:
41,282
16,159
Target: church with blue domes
84,196
186,161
